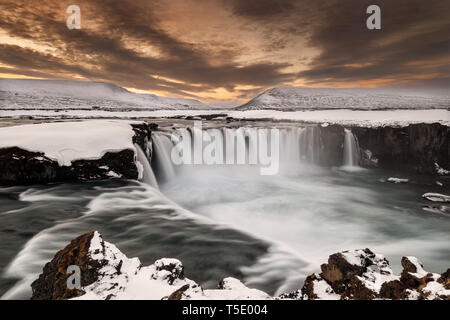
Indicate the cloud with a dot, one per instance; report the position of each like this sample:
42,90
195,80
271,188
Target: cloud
272,43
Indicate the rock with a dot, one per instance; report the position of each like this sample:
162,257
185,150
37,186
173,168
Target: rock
368,160
315,288
52,283
178,294
173,266
441,171
444,279
21,167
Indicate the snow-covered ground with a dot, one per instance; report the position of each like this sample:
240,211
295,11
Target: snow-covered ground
291,98
340,116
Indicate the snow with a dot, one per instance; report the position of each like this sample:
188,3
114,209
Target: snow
434,289
420,272
397,180
377,273
323,291
233,289
355,258
436,197
375,276
66,142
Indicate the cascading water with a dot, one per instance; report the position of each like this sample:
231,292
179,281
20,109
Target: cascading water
146,174
297,146
351,150
162,150
290,150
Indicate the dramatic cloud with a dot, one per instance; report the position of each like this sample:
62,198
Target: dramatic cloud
220,50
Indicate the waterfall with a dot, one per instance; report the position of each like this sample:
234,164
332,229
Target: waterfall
146,174
162,150
298,147
290,150
351,150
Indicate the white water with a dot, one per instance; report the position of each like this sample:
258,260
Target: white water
146,174
351,152
239,146
162,150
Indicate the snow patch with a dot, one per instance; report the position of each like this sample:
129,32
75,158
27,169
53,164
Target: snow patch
397,180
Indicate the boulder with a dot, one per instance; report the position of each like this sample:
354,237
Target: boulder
52,283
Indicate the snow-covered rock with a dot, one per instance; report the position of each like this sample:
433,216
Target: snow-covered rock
397,180
436,197
441,171
362,274
67,151
106,273
66,142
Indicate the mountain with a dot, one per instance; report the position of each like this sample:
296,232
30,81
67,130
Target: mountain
68,94
298,98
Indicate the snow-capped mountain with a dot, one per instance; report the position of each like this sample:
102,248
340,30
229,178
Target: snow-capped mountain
66,94
297,98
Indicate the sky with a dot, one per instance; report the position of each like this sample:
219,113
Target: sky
228,50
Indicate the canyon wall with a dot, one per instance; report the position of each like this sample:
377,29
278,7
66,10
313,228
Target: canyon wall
415,148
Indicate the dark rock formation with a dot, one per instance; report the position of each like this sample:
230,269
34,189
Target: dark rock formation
52,283
416,147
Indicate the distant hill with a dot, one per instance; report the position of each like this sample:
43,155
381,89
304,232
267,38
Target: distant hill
297,98
67,94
